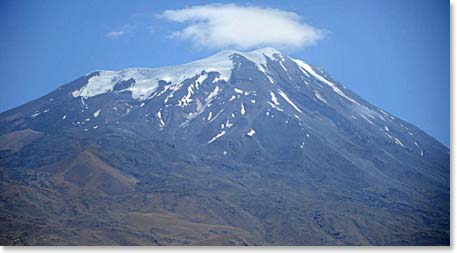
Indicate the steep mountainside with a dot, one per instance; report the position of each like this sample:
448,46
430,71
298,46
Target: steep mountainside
239,148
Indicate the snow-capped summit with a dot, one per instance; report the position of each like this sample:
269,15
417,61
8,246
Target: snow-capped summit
147,79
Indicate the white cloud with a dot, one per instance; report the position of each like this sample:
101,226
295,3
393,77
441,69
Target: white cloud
244,27
114,34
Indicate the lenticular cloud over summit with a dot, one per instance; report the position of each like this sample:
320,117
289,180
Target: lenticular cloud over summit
229,25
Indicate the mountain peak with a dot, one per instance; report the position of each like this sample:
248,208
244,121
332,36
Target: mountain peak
258,56
258,132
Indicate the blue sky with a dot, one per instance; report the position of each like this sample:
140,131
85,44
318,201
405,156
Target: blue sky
393,53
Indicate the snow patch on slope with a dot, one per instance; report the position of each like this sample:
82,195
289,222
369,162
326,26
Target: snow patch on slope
283,95
219,135
307,68
97,113
161,122
274,99
319,96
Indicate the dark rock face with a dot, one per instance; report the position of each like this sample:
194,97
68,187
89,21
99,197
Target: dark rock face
268,152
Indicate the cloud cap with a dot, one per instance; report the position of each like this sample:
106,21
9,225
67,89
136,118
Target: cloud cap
244,27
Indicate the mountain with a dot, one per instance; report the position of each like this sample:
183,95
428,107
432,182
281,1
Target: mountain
241,148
